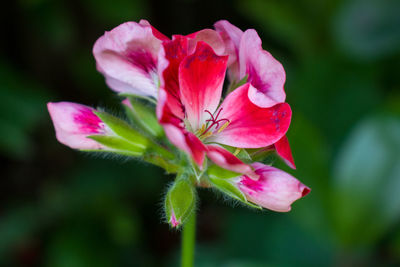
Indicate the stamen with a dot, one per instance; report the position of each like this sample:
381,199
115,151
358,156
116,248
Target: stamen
214,122
237,151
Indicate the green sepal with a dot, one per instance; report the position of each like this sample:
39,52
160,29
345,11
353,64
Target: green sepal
260,154
227,187
180,200
144,116
222,180
119,145
217,172
147,98
123,129
157,160
240,153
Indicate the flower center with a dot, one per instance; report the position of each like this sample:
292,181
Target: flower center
206,129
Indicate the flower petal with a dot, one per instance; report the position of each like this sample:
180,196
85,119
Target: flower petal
275,189
170,57
211,37
74,122
231,36
227,160
282,148
127,57
265,73
251,126
175,131
201,76
186,141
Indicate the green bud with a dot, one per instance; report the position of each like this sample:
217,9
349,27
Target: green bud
180,201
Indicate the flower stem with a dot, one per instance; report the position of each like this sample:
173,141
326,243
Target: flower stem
188,241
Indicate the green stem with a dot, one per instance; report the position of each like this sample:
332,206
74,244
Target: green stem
188,241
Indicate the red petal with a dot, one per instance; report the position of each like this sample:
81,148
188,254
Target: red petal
170,58
186,141
251,126
201,76
175,131
282,148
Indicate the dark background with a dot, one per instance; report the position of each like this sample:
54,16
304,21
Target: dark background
60,207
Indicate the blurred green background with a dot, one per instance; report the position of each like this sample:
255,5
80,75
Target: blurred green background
59,207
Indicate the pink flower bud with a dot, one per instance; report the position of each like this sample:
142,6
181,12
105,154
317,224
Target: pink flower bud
74,122
275,189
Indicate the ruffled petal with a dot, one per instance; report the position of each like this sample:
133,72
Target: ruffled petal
201,76
265,73
231,36
74,122
127,57
275,189
282,148
211,37
250,125
227,160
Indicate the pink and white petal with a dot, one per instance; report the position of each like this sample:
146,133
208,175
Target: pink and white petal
128,54
186,141
209,36
265,73
250,125
74,122
231,36
275,189
227,160
282,148
170,57
201,76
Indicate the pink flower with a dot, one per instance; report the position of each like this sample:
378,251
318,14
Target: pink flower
74,122
188,108
275,190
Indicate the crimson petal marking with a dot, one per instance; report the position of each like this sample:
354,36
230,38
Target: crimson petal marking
127,57
282,148
265,73
251,126
201,76
275,189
